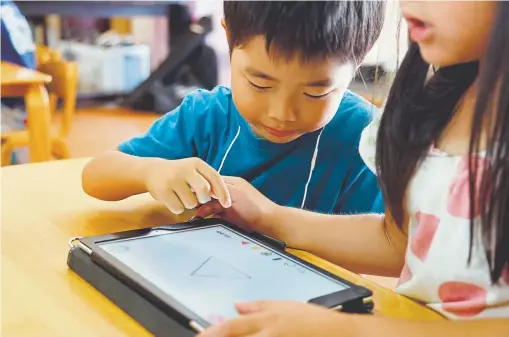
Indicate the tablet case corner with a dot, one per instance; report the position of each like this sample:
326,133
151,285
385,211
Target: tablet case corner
140,309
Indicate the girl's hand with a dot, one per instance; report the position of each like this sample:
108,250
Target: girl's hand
282,319
250,209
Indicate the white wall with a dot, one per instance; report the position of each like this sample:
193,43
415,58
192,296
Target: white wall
385,51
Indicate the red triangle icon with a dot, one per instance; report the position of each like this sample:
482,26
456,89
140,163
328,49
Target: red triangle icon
245,243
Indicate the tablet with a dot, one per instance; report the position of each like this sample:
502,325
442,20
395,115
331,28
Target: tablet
196,272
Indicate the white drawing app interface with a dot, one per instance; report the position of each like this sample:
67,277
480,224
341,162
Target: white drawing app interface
209,269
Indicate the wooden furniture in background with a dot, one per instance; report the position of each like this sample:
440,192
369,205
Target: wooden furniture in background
122,26
22,82
63,86
43,207
180,38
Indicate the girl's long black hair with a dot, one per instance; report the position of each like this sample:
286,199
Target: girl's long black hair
417,112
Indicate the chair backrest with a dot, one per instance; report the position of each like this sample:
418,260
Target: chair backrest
64,84
44,54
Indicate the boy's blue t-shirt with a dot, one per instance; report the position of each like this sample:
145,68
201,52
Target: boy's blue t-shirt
207,124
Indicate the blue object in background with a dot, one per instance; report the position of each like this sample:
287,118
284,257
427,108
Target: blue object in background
17,42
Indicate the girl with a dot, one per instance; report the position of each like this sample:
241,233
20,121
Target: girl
440,152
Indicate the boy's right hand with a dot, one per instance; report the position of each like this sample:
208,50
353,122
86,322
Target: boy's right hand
185,184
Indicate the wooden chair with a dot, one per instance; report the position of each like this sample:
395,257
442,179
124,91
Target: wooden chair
19,82
63,86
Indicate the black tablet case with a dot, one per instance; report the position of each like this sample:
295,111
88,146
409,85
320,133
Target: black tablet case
141,309
148,315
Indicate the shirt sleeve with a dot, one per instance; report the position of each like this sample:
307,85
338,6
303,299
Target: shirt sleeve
176,135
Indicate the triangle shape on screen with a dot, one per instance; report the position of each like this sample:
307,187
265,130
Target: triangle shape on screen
213,267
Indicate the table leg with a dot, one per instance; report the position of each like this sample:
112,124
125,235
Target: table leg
38,114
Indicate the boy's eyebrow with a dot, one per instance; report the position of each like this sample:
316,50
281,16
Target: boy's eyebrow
321,83
258,73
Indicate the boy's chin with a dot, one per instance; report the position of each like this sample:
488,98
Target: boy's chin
281,140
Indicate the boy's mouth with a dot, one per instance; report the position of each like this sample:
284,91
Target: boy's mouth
279,133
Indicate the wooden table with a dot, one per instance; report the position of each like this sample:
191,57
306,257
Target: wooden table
22,82
43,206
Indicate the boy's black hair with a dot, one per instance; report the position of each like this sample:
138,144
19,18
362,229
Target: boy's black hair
310,29
417,113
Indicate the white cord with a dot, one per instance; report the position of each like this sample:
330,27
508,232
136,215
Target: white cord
311,169
228,150
313,162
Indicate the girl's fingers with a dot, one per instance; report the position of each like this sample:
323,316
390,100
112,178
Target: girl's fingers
237,327
210,208
247,308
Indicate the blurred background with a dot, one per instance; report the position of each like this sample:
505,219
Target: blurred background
116,66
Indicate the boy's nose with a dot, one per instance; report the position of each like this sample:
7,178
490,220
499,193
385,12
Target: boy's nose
282,113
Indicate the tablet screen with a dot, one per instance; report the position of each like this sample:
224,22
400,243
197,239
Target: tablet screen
210,268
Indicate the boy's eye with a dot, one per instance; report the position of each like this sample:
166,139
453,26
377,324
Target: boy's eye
258,87
318,96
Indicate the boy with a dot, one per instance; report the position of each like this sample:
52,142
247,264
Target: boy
288,125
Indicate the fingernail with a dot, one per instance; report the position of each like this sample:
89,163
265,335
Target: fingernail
242,307
204,200
174,211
